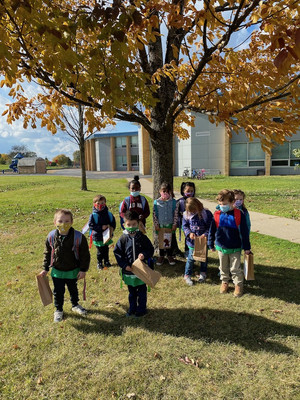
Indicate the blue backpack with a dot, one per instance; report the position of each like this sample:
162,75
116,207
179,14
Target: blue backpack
75,248
127,201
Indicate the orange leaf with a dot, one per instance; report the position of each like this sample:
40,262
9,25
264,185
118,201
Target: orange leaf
280,58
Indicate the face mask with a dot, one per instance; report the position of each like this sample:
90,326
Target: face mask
165,195
238,203
189,194
63,228
225,208
135,194
132,229
99,207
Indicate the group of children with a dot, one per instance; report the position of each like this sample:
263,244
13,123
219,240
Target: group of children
227,231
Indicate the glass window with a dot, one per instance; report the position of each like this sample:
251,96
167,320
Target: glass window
238,164
121,161
134,141
255,151
239,152
135,161
281,152
120,142
280,163
256,163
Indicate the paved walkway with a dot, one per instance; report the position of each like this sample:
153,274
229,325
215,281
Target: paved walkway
282,228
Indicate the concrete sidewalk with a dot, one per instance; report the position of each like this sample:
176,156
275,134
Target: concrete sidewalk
282,228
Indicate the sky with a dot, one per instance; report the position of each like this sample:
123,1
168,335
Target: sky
42,142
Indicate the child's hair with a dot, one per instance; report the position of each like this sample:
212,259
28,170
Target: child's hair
166,186
131,216
62,211
193,205
226,194
99,197
185,185
135,181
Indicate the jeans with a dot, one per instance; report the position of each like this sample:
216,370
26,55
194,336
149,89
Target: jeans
137,299
190,264
59,292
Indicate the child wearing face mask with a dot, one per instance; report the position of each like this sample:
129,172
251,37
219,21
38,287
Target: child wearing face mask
67,266
99,221
132,245
165,215
135,202
196,222
229,234
239,202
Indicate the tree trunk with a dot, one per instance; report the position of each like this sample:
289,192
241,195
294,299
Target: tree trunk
82,148
162,159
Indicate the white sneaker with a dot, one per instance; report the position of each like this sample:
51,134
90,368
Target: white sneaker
79,309
202,277
58,316
188,280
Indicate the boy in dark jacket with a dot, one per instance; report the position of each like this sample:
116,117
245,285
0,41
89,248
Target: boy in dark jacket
67,252
229,234
132,245
99,221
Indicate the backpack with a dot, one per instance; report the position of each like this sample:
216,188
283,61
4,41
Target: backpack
127,202
75,248
237,217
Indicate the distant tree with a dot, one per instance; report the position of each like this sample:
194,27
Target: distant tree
21,149
296,153
4,159
61,159
76,157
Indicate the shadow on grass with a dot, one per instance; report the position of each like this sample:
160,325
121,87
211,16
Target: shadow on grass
252,332
271,282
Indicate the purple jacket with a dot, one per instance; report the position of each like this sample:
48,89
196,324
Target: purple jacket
192,223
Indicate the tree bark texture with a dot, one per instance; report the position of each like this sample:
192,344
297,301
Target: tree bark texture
82,147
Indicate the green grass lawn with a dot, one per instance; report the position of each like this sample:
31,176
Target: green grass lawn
274,195
245,348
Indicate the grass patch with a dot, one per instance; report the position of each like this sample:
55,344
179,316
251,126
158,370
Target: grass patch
274,195
246,348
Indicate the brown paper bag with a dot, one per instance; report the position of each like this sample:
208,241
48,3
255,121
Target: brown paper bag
164,238
44,289
107,234
200,250
249,267
145,273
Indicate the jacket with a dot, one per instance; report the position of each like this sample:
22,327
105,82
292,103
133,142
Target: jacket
105,217
195,224
135,204
129,247
64,256
228,235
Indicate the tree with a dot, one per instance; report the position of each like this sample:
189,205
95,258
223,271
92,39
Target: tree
62,160
21,149
4,159
155,63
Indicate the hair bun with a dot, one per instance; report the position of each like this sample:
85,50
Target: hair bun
136,178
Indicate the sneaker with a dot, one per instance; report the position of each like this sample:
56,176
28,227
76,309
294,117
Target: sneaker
171,260
107,264
188,280
160,261
99,266
79,309
224,287
238,291
58,316
202,277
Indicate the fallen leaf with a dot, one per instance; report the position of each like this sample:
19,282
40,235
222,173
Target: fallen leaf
39,380
277,311
156,355
131,395
16,347
261,310
162,378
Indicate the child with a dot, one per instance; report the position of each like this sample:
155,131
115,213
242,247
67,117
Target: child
196,222
187,190
132,245
229,235
135,202
99,221
239,202
67,252
165,215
